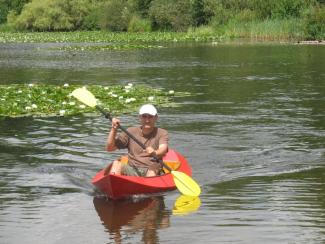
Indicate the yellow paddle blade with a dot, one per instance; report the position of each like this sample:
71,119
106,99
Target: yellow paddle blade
185,184
186,204
85,96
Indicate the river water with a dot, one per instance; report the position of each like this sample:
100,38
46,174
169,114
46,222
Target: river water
253,130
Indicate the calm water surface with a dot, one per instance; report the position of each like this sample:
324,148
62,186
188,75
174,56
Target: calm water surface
253,130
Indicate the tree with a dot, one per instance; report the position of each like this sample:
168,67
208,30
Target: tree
116,15
55,15
171,14
10,5
141,7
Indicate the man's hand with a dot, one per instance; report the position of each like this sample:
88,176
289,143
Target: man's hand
115,123
151,151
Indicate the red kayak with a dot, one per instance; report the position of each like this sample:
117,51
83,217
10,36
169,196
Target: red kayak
121,186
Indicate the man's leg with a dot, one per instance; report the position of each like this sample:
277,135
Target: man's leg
115,169
151,173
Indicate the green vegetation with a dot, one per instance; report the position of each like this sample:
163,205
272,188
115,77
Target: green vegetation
258,19
103,36
107,47
49,100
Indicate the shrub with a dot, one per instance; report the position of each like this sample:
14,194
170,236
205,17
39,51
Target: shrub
171,14
55,15
92,20
43,15
116,15
288,8
141,7
10,5
138,24
315,24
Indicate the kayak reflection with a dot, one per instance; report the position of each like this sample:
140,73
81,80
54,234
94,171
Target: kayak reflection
186,204
133,215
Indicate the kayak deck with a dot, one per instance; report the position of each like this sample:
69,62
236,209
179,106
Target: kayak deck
120,186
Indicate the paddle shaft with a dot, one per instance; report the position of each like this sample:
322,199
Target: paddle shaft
108,116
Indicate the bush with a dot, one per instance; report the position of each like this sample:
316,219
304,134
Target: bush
92,20
221,17
6,28
55,15
171,14
138,24
315,24
43,15
116,15
288,8
141,7
10,5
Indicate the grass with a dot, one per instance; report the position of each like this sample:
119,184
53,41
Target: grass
268,30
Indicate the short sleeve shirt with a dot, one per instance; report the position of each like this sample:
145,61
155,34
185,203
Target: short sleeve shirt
137,156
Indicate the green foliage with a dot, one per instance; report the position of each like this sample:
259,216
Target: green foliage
137,24
141,7
49,100
165,15
106,47
267,30
202,31
55,15
220,15
173,15
103,36
10,5
116,15
315,24
288,8
199,16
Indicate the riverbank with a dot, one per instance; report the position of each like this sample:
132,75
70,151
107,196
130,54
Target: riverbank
126,40
291,30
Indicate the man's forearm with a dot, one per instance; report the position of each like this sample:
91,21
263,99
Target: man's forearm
110,144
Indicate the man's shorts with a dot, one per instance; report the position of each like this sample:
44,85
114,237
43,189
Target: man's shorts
132,171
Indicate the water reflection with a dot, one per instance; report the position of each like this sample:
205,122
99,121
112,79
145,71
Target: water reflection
186,204
146,215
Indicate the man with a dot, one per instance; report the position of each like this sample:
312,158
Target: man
140,162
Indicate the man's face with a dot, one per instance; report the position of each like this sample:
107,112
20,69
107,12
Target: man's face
148,121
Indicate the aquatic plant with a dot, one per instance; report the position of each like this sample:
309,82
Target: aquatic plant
104,37
54,100
106,47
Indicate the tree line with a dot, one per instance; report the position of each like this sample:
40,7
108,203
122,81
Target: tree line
156,15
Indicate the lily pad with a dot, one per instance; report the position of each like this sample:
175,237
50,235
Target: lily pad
40,100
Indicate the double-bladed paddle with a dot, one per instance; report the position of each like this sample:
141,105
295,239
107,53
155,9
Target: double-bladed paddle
184,183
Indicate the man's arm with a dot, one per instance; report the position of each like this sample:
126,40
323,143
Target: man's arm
110,143
159,153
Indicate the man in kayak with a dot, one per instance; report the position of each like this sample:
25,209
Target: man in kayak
140,162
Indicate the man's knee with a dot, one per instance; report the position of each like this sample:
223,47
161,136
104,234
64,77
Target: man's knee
151,173
113,168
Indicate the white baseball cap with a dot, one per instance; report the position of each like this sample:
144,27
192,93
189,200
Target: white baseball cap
148,109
